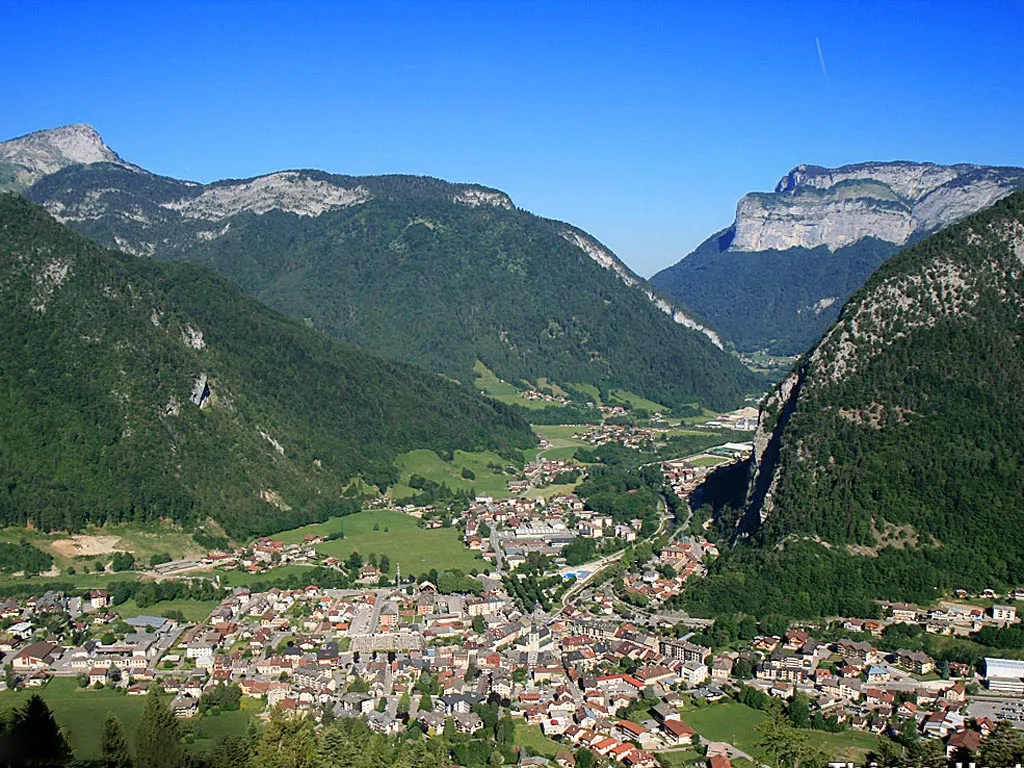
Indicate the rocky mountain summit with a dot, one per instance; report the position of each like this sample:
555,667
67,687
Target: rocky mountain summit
26,159
777,277
417,269
836,207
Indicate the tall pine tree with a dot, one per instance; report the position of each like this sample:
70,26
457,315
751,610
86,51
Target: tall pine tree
114,751
158,743
38,739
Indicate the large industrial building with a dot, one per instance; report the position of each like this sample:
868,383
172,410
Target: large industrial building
1005,676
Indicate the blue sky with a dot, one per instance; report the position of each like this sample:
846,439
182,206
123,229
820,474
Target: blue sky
642,122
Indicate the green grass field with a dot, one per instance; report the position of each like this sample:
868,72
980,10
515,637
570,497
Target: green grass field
589,390
638,401
550,491
736,724
79,580
561,435
255,580
487,382
531,738
193,610
428,464
416,549
80,713
681,759
731,722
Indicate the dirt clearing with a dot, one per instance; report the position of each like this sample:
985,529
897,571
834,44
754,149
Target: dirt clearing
87,546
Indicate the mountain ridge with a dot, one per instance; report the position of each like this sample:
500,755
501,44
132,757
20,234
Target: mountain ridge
136,390
312,244
777,276
888,463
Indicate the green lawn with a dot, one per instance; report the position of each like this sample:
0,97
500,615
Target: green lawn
681,759
254,580
80,712
533,740
731,722
208,729
850,746
736,723
193,610
404,542
638,401
428,464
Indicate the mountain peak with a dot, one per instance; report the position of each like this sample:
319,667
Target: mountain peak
814,206
26,159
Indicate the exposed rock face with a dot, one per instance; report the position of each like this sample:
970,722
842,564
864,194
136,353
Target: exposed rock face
149,215
777,277
475,197
200,394
608,260
29,158
836,207
288,191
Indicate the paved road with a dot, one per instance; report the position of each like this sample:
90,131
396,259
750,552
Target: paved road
595,567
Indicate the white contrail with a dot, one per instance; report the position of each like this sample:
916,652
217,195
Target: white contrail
821,58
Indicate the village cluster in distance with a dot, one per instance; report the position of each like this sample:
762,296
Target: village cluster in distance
572,624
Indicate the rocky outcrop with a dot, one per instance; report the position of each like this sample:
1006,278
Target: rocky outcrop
975,275
836,207
28,158
288,191
609,261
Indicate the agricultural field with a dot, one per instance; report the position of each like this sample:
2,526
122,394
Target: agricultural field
398,536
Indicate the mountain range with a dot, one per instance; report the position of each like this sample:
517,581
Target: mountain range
890,462
414,269
135,390
778,276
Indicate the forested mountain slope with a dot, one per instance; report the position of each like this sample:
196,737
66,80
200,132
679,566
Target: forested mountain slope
899,440
415,269
778,276
133,390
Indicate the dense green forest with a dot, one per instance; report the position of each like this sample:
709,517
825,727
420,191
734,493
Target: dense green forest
905,444
766,300
104,357
413,275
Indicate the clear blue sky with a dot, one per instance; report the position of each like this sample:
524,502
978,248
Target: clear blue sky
642,122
